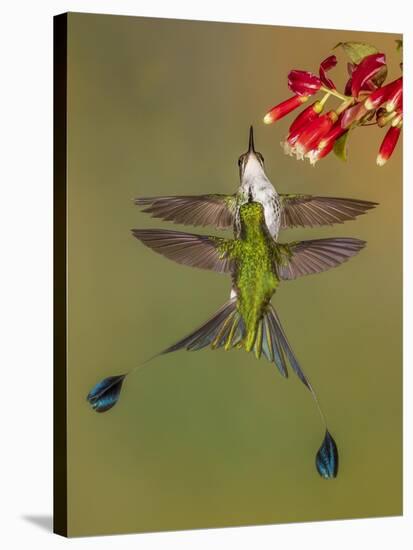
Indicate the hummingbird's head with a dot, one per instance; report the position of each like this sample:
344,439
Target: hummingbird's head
252,161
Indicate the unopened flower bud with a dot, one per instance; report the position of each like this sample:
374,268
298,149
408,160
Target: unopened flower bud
283,108
381,95
388,145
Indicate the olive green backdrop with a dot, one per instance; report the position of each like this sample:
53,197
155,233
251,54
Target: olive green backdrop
213,439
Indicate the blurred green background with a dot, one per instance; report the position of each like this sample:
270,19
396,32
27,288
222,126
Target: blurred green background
213,439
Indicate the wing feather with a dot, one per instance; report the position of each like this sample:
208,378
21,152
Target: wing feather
216,210
310,211
186,248
314,256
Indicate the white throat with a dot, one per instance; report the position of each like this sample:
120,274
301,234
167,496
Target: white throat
255,183
253,169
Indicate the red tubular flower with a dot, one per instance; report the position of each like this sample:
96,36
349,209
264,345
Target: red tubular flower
325,66
313,132
394,100
379,96
310,113
399,106
368,67
303,83
388,144
304,118
284,108
317,154
313,135
326,144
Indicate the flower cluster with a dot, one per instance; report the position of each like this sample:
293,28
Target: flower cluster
365,101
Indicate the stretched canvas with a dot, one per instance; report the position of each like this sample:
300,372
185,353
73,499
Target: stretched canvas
228,274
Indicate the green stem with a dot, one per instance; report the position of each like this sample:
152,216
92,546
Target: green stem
335,93
324,99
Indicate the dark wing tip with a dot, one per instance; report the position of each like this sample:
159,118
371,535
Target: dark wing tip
135,233
142,233
143,201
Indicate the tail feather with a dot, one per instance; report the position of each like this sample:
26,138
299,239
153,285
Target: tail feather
266,346
227,329
278,353
258,340
239,333
285,347
224,331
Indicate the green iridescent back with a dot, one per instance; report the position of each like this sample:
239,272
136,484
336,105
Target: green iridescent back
254,277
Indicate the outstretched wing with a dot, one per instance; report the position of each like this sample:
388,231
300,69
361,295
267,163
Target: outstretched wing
309,211
188,249
314,256
217,210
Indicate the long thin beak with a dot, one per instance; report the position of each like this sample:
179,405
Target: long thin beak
251,148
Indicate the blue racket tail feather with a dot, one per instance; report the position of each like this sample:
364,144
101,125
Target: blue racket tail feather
105,394
327,458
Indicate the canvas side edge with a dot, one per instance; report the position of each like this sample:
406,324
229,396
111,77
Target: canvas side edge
59,274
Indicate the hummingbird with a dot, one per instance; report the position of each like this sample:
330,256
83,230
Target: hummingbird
256,264
281,211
